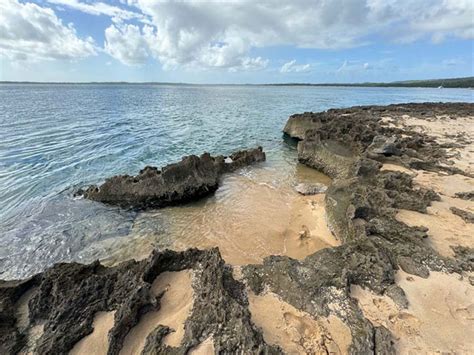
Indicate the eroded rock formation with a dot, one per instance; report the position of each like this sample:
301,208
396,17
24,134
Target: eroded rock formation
190,179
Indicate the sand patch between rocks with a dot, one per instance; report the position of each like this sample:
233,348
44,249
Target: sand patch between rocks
449,130
445,229
394,167
444,184
439,318
297,332
97,342
205,348
176,305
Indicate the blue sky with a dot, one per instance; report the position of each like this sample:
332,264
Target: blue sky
235,41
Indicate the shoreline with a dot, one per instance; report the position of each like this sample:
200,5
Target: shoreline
331,293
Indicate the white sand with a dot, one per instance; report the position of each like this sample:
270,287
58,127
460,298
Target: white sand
445,229
297,332
205,348
439,319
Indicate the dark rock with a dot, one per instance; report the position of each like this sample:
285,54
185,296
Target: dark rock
190,179
384,341
68,296
383,146
465,256
467,216
465,195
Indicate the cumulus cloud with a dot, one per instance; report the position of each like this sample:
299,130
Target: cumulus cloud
222,34
32,32
127,43
292,67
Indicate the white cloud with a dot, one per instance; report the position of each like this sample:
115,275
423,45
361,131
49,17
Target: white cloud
99,8
127,44
222,34
291,66
31,32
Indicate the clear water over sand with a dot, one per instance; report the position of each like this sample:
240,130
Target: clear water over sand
54,139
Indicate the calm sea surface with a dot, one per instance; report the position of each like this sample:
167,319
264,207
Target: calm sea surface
56,138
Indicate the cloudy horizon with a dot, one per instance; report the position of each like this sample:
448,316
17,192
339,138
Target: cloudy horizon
235,41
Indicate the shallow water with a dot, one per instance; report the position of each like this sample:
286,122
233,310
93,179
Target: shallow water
54,138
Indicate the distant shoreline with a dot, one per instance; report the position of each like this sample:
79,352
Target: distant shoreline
458,83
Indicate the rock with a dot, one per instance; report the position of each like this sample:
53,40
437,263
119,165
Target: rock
467,216
190,179
465,195
297,125
383,146
331,157
67,296
310,188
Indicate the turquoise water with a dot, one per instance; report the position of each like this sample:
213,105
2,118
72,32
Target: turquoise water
55,138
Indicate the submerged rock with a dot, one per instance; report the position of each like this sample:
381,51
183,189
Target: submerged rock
310,189
190,179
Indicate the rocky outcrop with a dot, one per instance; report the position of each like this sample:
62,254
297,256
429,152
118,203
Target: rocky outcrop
66,297
349,145
190,179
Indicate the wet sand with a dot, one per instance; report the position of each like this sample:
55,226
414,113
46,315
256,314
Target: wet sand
254,214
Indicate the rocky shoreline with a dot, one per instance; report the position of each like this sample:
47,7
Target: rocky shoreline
52,311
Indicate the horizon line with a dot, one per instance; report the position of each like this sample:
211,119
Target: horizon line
434,82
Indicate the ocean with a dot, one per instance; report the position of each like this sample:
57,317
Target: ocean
55,138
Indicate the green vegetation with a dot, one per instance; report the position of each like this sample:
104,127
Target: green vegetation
467,82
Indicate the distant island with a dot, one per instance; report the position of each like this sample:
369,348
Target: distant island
466,82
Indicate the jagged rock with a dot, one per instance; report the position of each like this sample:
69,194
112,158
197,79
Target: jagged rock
190,179
311,188
67,296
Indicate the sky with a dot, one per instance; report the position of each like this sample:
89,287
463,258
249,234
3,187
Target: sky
236,41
